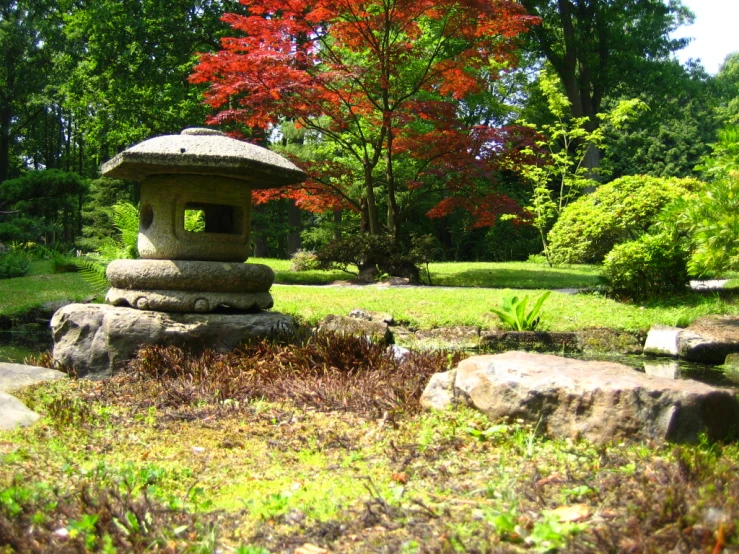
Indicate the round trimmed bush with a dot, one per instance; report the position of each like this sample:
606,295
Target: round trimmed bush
650,266
614,213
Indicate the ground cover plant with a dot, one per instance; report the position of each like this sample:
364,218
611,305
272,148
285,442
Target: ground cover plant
280,445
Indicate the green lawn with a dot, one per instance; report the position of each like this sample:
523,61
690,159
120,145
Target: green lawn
424,307
22,294
427,307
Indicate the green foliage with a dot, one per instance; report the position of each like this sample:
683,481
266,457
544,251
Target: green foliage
670,138
41,206
616,212
303,260
711,218
63,263
378,252
513,312
96,212
195,221
14,264
125,218
559,173
653,265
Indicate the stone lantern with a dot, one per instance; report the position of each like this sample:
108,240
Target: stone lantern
205,175
191,287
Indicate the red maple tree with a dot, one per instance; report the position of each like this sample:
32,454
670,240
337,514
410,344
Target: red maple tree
381,80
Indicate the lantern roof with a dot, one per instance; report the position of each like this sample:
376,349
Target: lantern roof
202,151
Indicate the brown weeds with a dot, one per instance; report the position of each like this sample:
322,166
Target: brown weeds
325,372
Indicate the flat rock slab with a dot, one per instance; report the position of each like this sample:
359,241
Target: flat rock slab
710,339
599,401
662,341
94,338
13,413
15,376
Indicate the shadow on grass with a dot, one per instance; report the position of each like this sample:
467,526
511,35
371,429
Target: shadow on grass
516,279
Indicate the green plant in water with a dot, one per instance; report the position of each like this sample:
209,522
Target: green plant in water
513,312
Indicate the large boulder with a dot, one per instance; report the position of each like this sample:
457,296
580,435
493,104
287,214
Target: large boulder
94,338
710,339
600,401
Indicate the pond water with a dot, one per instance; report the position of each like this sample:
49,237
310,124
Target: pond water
24,341
664,367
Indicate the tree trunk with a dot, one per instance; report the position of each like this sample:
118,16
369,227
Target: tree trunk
6,116
261,247
294,221
337,224
372,219
392,204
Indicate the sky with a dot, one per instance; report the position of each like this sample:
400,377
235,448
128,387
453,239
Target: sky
715,32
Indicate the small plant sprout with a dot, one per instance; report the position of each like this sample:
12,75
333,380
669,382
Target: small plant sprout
513,312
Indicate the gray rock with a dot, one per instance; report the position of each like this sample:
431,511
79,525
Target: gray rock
378,330
662,341
188,302
14,376
399,353
202,151
189,275
439,393
95,338
710,339
13,413
600,401
359,313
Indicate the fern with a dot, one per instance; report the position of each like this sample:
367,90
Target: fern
92,270
92,267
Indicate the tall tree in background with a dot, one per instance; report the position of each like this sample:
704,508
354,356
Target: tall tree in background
375,79
28,31
603,48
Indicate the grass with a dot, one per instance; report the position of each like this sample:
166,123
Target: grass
426,307
121,466
22,294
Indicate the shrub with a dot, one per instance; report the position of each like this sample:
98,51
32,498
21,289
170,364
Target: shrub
711,218
14,264
617,212
652,265
303,260
63,263
371,253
